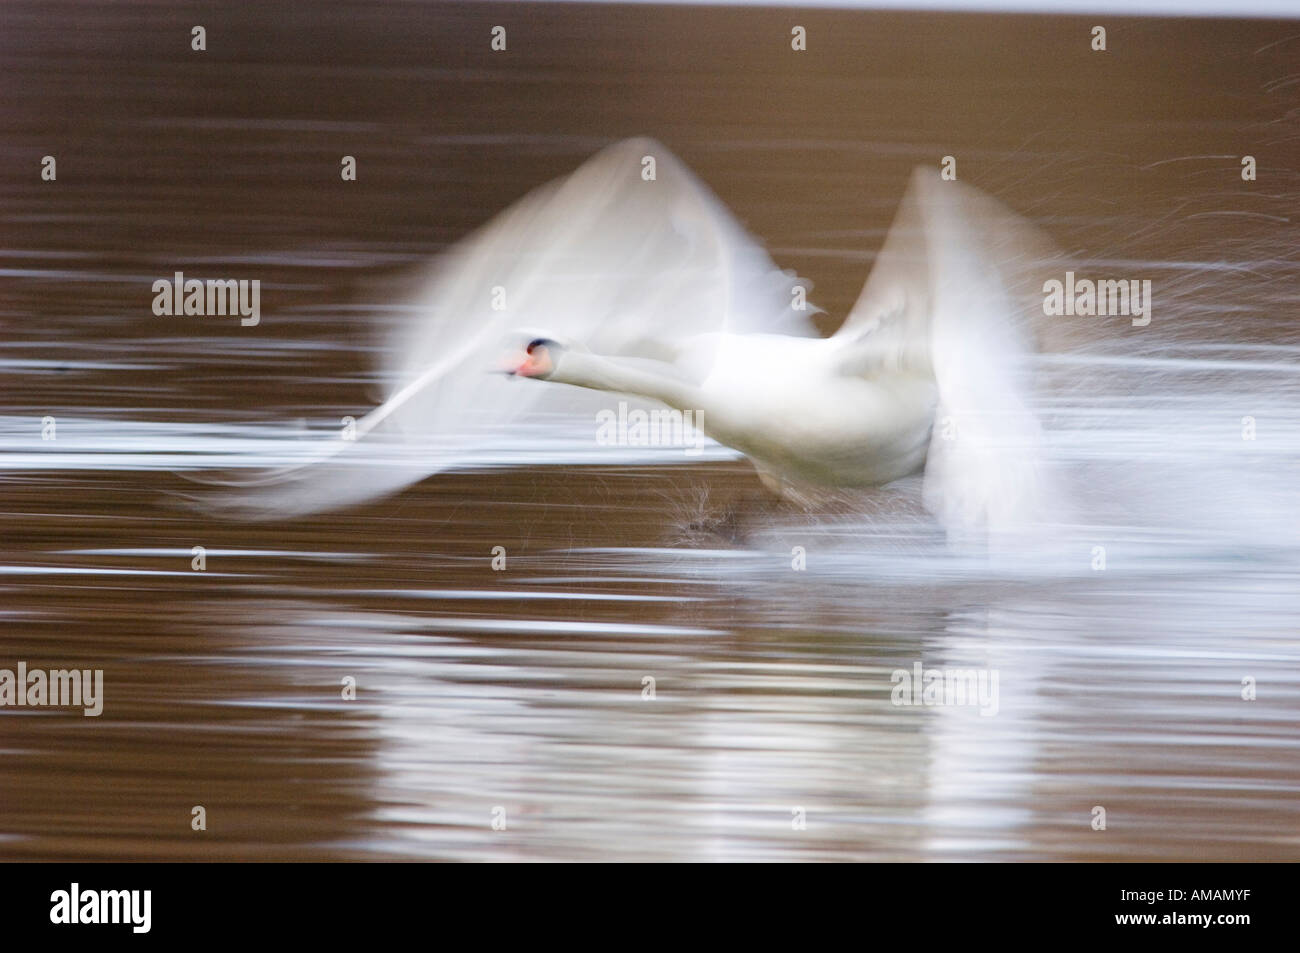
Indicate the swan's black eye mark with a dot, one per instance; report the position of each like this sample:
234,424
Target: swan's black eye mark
538,342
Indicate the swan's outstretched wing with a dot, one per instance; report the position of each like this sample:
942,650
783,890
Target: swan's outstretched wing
626,254
953,294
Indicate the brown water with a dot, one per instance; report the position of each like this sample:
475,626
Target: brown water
522,689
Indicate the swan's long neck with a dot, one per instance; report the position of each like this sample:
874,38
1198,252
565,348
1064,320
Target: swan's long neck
584,369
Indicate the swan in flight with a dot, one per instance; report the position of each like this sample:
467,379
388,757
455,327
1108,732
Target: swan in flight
615,281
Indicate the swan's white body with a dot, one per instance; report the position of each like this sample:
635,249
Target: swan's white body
791,405
654,290
795,406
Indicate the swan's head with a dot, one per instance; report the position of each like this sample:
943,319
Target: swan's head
539,358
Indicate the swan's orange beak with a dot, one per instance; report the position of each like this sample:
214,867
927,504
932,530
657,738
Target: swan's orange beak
523,364
513,364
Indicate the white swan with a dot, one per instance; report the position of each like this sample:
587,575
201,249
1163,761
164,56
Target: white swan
800,408
647,286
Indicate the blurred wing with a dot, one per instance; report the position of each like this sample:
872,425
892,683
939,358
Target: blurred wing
610,255
953,294
889,326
